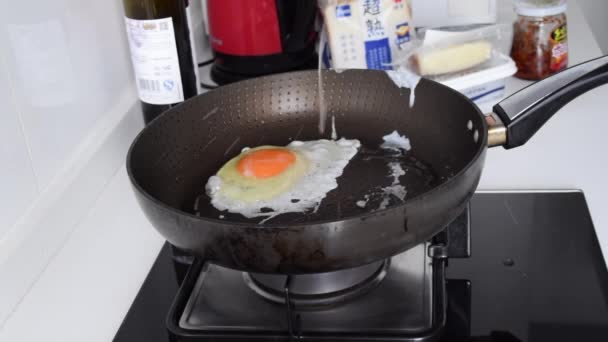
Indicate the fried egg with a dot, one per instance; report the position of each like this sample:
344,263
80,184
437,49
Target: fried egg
272,180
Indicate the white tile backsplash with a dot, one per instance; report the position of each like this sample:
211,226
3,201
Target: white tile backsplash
67,68
17,180
64,65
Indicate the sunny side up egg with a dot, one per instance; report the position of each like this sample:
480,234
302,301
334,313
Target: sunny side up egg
294,178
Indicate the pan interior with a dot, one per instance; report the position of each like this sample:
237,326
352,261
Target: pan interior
175,155
363,181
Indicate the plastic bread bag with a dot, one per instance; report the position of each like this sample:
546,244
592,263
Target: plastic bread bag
366,34
450,50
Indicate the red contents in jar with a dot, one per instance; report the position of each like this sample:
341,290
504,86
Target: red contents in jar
540,46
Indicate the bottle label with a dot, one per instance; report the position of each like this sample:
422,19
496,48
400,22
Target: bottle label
155,61
559,48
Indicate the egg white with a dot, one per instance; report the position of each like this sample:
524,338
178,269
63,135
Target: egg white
325,161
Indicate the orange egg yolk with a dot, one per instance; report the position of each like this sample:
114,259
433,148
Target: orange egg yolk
265,163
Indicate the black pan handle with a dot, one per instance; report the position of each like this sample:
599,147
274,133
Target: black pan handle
524,112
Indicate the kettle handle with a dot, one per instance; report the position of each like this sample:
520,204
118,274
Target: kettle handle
295,36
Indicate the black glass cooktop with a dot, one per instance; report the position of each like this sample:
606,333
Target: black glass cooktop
536,273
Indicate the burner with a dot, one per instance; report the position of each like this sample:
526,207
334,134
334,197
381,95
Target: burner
319,289
408,302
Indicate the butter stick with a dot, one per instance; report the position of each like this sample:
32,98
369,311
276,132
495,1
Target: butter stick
454,58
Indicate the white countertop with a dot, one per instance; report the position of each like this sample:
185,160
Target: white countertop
87,288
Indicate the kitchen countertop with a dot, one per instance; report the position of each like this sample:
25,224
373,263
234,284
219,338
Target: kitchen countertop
567,152
87,288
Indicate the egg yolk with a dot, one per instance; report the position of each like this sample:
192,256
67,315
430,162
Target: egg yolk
265,163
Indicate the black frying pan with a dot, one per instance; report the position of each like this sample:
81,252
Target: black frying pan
171,160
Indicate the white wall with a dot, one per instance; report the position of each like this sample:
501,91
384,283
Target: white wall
68,112
63,65
596,12
18,184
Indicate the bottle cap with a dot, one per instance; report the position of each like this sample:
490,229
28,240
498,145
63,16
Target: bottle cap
540,8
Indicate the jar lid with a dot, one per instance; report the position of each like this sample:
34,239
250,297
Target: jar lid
540,8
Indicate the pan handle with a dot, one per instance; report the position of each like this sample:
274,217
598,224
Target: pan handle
524,112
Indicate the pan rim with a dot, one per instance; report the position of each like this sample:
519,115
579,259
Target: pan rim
216,221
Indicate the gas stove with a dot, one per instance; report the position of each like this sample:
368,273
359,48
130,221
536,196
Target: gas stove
519,266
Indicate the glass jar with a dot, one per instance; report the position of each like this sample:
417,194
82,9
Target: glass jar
540,44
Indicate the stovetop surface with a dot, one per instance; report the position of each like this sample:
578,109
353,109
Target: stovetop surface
536,273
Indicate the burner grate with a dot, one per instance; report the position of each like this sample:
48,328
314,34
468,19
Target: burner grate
293,318
408,303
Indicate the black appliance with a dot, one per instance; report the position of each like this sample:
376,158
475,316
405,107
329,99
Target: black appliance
516,266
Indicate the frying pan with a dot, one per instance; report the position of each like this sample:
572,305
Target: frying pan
171,159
